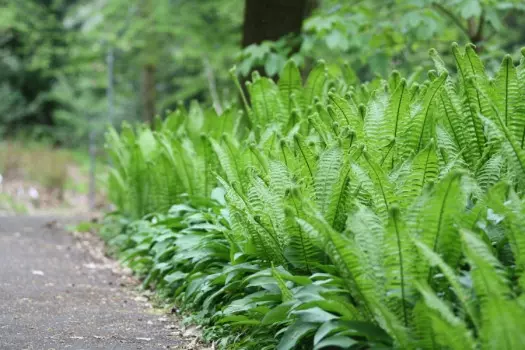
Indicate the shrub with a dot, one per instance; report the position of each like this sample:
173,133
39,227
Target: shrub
386,215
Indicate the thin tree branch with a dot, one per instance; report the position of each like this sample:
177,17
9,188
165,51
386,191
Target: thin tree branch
453,17
481,26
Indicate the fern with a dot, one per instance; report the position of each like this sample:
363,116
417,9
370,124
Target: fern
315,83
265,100
331,187
393,209
500,317
436,215
418,132
448,330
424,169
290,88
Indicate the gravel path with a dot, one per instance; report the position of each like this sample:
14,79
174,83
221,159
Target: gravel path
54,294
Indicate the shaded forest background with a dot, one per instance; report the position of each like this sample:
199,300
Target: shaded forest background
68,67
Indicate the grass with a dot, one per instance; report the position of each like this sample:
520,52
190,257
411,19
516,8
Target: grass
9,204
50,169
34,162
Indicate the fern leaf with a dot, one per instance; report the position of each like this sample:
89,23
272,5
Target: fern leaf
399,267
301,251
513,210
376,183
117,189
510,146
507,96
368,231
423,170
315,83
230,162
420,129
306,156
472,103
435,219
449,331
345,114
395,119
435,260
501,316
290,87
286,293
461,128
438,61
265,101
342,253
331,187
490,172
137,183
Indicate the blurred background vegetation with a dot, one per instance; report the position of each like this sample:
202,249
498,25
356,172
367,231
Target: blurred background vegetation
68,67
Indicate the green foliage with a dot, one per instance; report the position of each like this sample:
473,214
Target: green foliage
54,67
388,215
375,36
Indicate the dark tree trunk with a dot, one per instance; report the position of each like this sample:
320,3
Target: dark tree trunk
272,19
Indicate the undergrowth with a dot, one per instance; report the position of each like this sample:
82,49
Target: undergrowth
324,215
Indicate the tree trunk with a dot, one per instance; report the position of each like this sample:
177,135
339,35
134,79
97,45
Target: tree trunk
272,19
148,93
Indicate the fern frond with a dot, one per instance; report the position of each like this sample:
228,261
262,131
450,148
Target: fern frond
435,217
117,150
268,209
510,146
343,254
449,155
421,128
490,172
137,183
462,129
368,231
373,180
286,293
306,156
423,333
513,210
315,83
345,113
264,96
462,294
424,169
117,189
472,102
194,122
331,187
506,97
398,252
380,124
501,315
290,88
449,331
228,157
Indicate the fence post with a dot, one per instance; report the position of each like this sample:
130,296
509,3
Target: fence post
110,60
92,169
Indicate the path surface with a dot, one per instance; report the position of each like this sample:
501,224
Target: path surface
53,295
